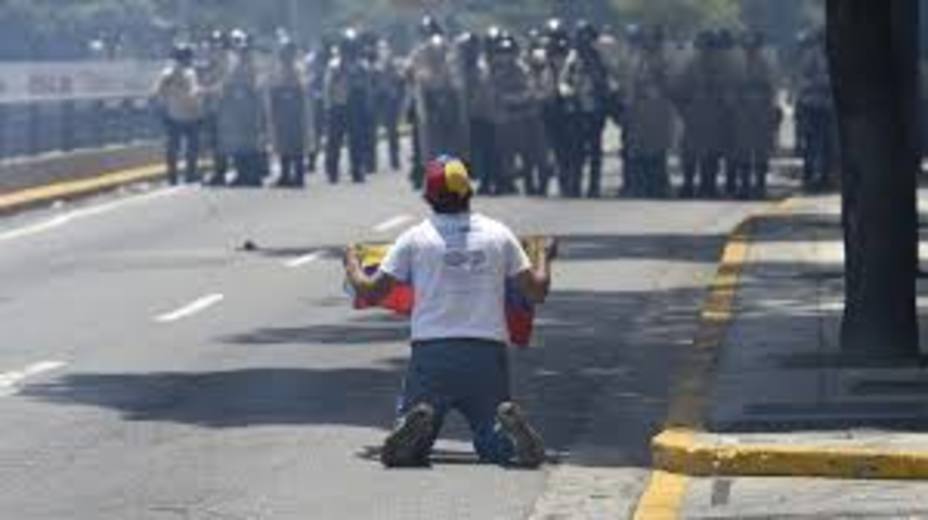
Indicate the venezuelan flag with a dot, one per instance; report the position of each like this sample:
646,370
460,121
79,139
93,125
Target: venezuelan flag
520,311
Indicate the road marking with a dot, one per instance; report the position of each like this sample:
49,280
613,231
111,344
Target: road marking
392,223
190,309
663,497
304,260
61,220
9,380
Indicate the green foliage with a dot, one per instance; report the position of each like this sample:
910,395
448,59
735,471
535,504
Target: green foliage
681,16
27,25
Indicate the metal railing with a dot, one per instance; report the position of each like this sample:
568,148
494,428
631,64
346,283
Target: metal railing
36,128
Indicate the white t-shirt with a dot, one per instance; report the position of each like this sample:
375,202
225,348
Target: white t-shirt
457,266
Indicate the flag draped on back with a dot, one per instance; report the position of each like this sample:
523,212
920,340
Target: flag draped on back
520,311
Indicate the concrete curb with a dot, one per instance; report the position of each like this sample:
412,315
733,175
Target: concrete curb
685,448
697,454
69,190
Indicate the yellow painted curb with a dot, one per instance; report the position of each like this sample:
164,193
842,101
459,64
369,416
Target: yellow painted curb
671,450
682,451
665,503
31,197
685,448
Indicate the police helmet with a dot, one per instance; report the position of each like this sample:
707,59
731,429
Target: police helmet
633,34
239,39
586,33
429,26
288,50
219,39
555,28
469,45
507,45
182,53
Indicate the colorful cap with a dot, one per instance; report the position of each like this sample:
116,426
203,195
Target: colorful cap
445,176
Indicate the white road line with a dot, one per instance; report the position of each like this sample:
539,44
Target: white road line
304,260
9,380
61,220
190,309
392,223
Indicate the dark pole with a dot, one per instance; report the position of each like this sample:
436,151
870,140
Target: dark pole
873,51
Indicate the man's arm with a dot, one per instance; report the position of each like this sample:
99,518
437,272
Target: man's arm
535,282
370,288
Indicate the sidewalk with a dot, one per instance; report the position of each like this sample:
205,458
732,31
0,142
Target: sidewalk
781,400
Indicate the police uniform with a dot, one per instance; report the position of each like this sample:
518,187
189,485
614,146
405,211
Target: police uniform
213,77
650,120
756,122
242,122
178,91
702,95
518,118
344,104
583,87
438,103
479,104
389,91
815,109
291,122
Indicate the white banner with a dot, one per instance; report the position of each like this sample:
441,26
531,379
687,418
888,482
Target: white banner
57,81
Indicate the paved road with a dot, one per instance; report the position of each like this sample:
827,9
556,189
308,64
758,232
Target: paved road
150,369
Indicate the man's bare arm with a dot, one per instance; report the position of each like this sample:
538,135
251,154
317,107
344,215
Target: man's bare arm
370,288
535,282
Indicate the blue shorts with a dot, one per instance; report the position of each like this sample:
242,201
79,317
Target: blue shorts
468,375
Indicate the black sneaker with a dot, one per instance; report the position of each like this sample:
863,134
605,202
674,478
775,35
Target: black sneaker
407,445
530,448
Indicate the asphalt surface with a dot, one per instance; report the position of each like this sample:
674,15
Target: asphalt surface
150,368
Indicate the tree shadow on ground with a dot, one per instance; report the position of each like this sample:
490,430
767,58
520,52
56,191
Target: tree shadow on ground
594,348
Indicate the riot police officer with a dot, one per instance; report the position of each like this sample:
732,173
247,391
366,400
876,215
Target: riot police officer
650,120
317,64
180,98
815,110
554,113
344,100
242,118
429,28
585,88
518,119
441,118
757,118
219,61
389,91
478,95
702,96
290,116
